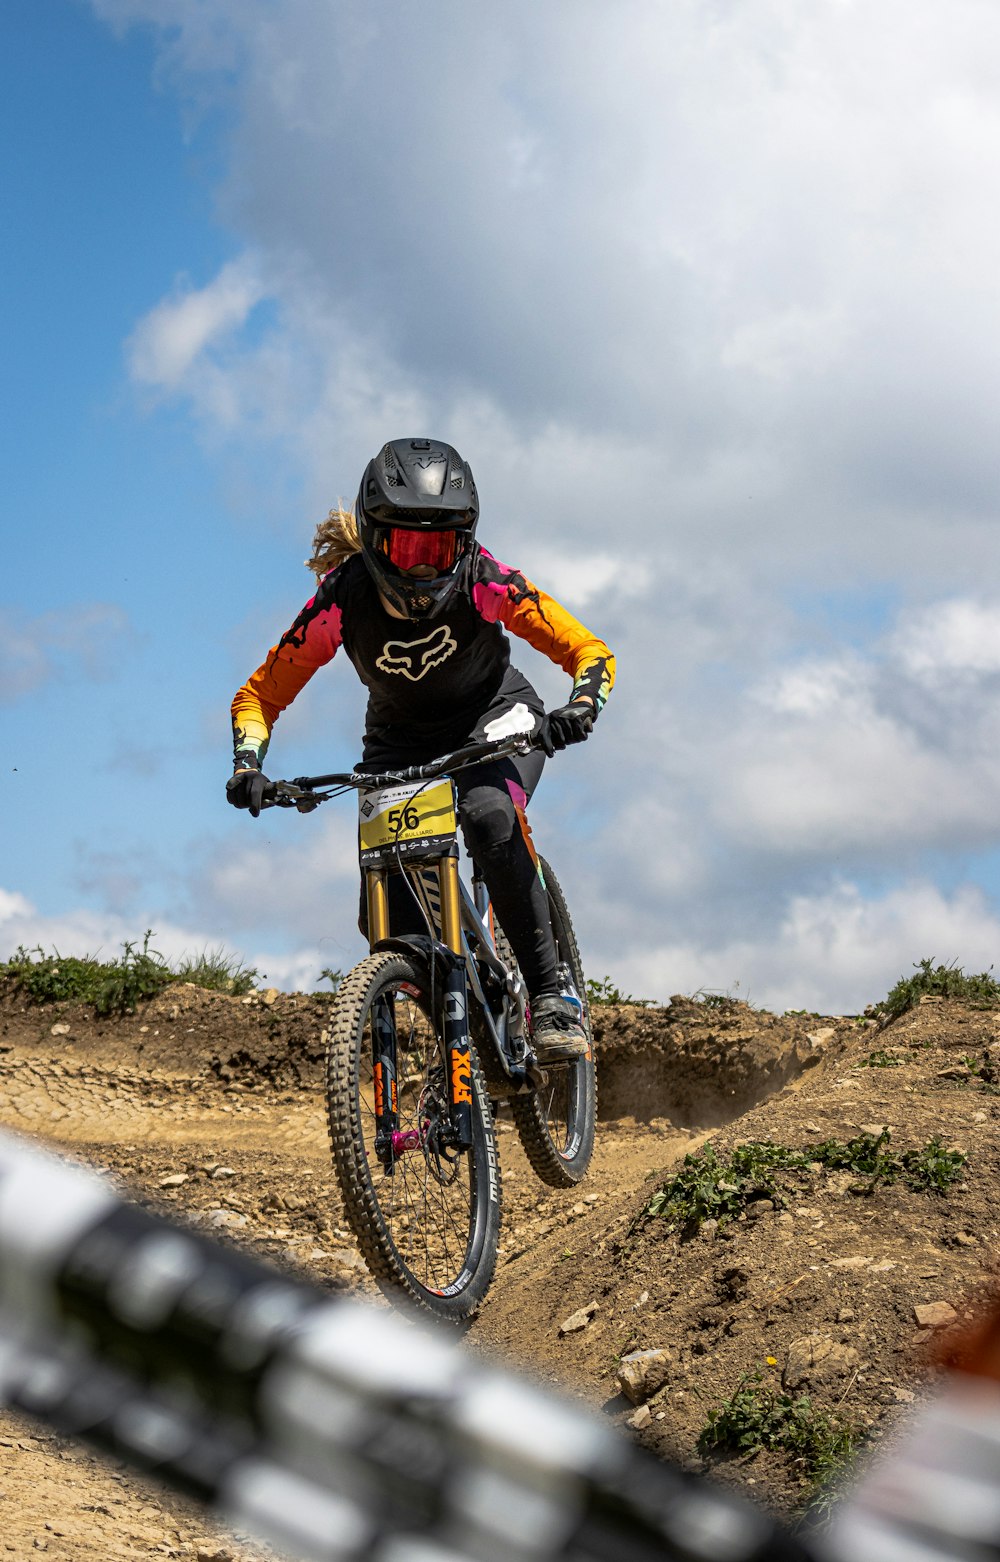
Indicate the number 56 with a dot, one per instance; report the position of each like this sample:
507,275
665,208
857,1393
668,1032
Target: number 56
403,819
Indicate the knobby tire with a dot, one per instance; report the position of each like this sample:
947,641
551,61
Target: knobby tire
424,1239
556,1125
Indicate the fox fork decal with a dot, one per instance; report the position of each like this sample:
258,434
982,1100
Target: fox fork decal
384,1081
456,1041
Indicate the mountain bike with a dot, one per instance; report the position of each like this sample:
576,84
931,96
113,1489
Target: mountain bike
428,1034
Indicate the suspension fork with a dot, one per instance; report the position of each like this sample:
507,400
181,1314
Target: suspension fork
383,1040
455,1012
384,1061
455,1007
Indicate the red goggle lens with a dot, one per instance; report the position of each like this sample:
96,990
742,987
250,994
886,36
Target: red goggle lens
406,548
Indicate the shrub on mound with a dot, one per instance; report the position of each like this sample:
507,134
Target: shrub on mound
118,986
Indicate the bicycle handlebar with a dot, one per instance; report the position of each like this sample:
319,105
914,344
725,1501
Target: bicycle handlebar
302,792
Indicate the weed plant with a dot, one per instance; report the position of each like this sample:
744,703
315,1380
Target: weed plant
938,981
725,1003
881,1059
710,1188
218,972
606,992
759,1416
118,986
52,978
981,1074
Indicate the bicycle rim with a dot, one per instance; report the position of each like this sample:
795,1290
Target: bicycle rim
425,1216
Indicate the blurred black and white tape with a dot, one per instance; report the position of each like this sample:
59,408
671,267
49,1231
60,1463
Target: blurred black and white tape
333,1430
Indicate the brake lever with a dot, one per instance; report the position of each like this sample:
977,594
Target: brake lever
285,794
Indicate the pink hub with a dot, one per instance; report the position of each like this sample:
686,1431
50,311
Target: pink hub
410,1140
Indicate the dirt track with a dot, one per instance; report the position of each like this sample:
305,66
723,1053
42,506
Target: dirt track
210,1107
226,1097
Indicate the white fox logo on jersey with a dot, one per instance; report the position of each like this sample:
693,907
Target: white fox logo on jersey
414,658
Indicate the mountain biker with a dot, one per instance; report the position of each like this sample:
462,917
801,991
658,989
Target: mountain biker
420,609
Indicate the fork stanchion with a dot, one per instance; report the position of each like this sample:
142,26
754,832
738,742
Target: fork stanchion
451,903
376,889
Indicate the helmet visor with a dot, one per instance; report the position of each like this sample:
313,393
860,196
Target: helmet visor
406,549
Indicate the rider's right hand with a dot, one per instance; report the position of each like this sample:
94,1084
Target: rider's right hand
246,789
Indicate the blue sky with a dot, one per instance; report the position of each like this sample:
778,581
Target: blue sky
707,296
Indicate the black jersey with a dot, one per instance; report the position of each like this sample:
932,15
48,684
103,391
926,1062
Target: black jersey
433,684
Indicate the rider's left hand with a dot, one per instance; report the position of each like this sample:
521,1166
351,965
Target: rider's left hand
572,723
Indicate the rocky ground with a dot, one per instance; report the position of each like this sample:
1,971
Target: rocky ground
210,1107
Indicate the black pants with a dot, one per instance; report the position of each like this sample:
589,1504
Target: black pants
492,802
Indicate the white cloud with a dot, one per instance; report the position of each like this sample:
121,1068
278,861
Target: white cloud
79,932
13,905
707,294
948,638
169,341
834,953
720,831
855,752
584,578
753,247
80,641
818,689
87,932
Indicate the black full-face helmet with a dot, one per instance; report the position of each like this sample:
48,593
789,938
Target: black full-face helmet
417,511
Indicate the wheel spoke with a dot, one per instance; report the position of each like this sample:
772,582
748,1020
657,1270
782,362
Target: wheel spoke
427,1197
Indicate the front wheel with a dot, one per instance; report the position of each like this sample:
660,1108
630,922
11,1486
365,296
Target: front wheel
426,1215
556,1124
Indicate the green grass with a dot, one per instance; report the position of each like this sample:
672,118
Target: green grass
938,981
118,986
724,1002
759,1417
218,972
708,1187
880,1059
606,991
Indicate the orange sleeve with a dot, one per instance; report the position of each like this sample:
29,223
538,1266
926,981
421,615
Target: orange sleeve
505,595
310,643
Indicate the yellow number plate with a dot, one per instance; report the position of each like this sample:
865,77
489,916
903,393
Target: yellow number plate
409,818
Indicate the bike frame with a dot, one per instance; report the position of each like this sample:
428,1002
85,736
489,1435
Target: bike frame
466,948
466,942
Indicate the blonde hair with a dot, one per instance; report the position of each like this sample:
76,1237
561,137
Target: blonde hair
335,539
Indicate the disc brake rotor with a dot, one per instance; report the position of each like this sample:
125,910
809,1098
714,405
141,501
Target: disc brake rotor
443,1163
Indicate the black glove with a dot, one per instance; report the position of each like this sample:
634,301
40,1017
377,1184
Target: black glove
570,724
246,789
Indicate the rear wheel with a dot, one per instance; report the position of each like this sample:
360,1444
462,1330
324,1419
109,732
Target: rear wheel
556,1124
425,1214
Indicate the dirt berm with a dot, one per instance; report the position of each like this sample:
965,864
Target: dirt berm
210,1108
